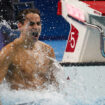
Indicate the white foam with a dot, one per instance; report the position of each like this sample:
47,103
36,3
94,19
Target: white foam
72,92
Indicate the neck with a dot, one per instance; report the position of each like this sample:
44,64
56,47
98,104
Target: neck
28,42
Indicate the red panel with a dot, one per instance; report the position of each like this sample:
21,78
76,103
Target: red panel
97,5
59,10
72,40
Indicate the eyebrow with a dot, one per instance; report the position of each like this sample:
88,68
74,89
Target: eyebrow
28,19
31,21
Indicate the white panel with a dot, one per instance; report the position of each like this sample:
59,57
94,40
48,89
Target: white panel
75,56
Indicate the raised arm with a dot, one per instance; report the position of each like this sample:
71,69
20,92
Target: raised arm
53,69
5,60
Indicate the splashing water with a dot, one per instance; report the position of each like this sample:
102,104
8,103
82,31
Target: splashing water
72,92
49,96
85,87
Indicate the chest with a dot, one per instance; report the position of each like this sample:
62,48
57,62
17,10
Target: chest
31,61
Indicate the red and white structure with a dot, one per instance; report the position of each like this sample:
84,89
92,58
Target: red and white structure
86,38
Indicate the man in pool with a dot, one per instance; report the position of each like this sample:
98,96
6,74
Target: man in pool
26,62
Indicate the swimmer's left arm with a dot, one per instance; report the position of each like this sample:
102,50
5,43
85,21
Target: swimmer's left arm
52,54
52,68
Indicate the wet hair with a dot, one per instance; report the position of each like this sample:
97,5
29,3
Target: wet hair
22,14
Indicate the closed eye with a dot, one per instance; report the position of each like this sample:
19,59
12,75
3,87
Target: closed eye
33,23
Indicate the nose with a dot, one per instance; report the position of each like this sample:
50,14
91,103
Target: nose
35,26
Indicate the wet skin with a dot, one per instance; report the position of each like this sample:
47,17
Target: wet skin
25,62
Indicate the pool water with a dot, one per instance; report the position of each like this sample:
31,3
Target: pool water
86,85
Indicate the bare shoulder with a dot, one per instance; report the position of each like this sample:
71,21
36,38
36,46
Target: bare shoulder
6,55
17,42
44,44
47,48
9,48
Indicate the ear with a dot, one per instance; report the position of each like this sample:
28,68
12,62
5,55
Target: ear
19,25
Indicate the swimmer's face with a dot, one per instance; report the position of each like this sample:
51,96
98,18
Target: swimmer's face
31,26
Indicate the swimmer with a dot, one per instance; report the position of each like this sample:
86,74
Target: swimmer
25,63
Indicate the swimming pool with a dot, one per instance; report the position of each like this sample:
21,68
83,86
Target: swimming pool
86,86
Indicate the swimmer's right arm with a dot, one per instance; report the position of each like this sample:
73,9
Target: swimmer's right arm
5,60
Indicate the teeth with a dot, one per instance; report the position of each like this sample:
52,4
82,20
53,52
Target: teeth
35,34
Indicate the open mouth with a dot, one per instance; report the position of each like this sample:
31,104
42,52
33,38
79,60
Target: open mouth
35,34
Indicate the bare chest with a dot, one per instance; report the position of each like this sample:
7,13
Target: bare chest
31,61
